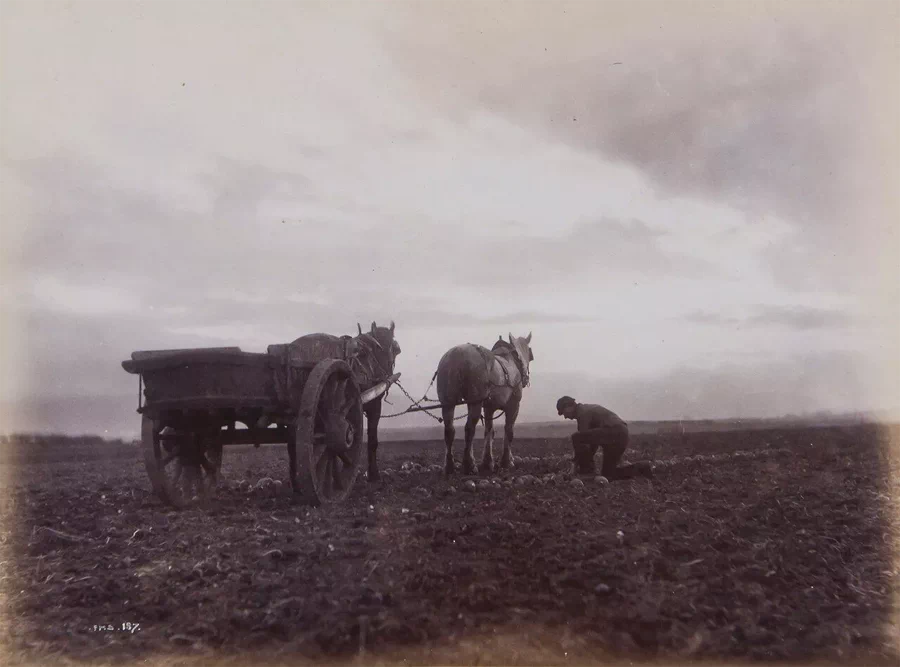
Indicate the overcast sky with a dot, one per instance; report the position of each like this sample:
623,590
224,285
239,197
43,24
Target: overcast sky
692,207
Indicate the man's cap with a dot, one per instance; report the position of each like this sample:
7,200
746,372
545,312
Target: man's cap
564,402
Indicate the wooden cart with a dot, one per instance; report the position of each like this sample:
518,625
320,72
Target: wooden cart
303,394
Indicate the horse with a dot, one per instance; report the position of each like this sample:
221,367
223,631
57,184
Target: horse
375,366
371,356
487,380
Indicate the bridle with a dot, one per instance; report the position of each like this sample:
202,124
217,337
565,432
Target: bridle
523,370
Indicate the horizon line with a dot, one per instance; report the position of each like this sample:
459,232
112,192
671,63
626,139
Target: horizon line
871,416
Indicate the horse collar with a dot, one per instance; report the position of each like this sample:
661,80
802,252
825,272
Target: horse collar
368,339
520,366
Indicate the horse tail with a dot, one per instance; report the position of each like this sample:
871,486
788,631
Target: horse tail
445,391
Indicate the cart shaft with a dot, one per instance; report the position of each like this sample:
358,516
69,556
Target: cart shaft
376,391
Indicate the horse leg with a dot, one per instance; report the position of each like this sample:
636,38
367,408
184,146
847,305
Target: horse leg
506,459
487,459
471,424
373,416
449,435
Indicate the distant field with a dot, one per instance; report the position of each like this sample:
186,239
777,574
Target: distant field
562,428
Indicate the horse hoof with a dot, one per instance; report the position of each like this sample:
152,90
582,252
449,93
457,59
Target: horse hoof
373,477
486,469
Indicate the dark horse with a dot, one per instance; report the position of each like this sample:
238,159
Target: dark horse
371,357
375,366
483,379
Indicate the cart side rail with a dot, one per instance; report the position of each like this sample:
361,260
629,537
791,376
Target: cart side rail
152,360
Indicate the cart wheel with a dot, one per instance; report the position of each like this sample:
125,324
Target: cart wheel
328,434
183,466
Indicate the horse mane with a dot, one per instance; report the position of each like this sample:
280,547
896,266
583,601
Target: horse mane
501,345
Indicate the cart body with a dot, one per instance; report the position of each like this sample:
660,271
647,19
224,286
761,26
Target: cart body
307,394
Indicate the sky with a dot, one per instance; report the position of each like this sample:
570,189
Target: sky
693,207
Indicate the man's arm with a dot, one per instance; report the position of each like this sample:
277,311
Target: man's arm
584,422
584,425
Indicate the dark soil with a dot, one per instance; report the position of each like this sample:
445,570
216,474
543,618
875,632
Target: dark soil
781,554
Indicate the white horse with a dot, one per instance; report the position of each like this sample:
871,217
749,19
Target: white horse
487,380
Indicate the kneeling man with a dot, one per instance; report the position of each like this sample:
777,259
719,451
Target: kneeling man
599,427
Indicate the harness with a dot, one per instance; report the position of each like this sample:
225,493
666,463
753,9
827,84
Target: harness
373,367
489,356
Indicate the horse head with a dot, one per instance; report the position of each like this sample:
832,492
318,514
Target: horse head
522,350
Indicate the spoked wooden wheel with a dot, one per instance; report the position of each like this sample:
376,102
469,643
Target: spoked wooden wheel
183,466
328,434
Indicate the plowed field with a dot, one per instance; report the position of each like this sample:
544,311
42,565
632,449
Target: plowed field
757,545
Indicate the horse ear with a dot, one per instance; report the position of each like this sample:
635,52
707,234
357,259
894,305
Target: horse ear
528,338
511,339
359,326
373,327
392,327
